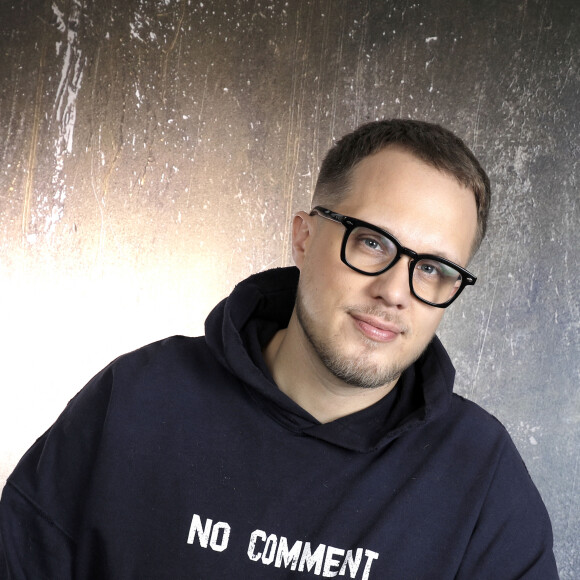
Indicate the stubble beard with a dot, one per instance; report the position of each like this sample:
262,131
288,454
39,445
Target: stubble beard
360,371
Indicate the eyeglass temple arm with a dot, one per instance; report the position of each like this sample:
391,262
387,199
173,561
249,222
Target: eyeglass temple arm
328,215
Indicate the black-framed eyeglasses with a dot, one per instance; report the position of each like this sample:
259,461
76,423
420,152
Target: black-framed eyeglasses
370,250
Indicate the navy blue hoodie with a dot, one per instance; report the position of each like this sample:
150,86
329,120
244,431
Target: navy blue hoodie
184,460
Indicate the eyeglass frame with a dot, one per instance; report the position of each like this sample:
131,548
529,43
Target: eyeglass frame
350,223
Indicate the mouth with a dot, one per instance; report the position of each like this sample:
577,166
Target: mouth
376,328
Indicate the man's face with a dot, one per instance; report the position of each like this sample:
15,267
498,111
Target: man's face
366,330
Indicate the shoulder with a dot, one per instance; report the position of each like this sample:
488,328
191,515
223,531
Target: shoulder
172,349
476,420
466,420
470,434
483,438
170,361
510,511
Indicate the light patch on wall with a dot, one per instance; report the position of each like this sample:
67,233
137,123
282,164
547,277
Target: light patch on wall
59,328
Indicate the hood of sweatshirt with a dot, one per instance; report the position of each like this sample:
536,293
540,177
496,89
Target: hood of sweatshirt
241,324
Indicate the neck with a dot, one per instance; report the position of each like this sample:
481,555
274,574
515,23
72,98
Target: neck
300,374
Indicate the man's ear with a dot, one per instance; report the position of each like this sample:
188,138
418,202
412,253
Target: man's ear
302,230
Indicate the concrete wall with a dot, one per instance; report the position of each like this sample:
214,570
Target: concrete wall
154,151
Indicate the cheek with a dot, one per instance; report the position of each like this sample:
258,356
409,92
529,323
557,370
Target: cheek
430,319
343,283
327,289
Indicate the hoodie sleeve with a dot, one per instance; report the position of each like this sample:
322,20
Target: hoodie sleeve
512,538
32,545
42,503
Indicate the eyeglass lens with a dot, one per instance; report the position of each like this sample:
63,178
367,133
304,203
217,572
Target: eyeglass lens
432,280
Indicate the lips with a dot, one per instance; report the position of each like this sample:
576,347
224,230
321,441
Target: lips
375,328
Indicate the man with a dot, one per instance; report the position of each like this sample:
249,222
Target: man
313,431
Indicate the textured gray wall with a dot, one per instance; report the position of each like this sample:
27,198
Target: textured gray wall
154,151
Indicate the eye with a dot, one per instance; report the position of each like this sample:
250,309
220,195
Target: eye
368,241
371,243
435,271
429,269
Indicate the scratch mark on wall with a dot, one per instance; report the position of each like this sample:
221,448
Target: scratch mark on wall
360,65
335,84
65,115
70,84
401,98
477,117
485,332
31,165
571,511
169,51
99,203
318,106
295,123
524,10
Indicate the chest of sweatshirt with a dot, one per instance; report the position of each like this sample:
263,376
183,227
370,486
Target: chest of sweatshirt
178,467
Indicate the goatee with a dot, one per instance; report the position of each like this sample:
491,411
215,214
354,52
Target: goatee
363,371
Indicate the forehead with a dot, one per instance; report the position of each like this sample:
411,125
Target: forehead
428,210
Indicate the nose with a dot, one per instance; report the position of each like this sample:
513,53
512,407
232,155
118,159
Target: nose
392,286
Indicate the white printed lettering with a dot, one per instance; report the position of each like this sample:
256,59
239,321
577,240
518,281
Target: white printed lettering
271,549
353,564
312,559
202,533
271,544
213,543
252,546
324,560
371,557
206,534
289,557
331,562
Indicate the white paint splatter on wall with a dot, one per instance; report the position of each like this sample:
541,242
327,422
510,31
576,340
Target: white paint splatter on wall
51,207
